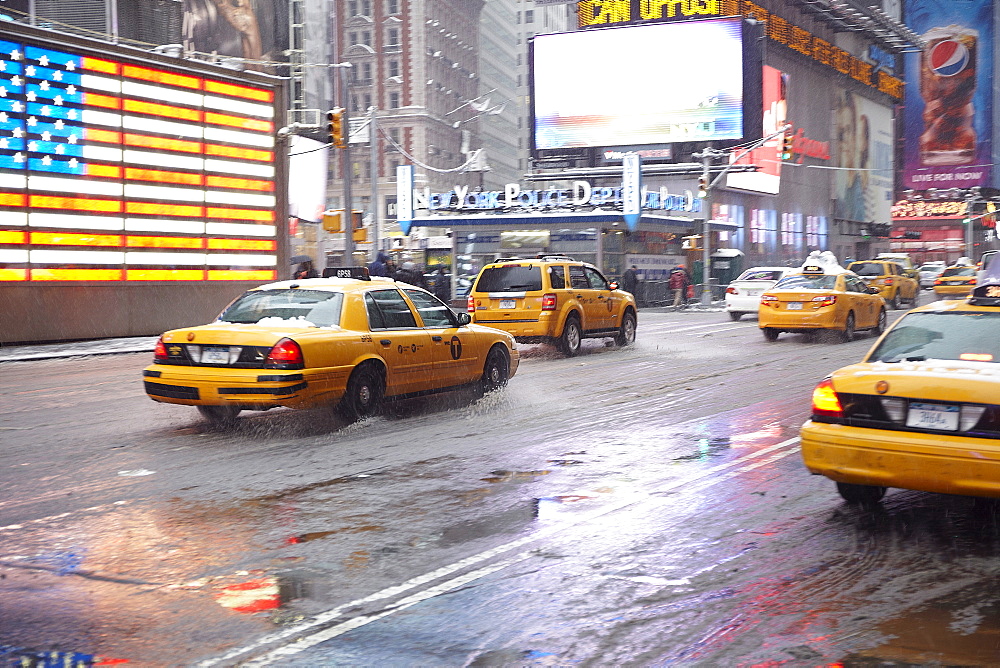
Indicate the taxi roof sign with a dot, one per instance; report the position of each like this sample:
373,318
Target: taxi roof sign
360,273
813,269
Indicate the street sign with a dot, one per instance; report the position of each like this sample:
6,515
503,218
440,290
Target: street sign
632,189
404,197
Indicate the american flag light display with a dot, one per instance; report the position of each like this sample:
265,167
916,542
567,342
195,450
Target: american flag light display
114,171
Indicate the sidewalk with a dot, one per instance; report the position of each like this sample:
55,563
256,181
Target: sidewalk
42,351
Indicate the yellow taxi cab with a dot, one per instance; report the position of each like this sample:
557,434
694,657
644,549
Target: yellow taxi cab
345,340
892,282
821,298
921,411
552,299
955,282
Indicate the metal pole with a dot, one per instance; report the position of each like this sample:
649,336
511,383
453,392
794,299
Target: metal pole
346,168
706,289
373,157
969,221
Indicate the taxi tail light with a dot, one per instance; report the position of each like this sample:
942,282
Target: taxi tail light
285,354
770,300
937,281
549,301
825,401
732,291
470,304
894,407
887,281
970,416
160,351
825,300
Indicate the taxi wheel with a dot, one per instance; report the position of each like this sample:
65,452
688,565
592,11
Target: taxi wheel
880,325
860,494
219,416
894,302
569,342
735,316
496,372
626,335
849,330
363,397
770,333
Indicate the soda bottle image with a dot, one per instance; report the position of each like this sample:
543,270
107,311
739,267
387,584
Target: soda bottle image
947,84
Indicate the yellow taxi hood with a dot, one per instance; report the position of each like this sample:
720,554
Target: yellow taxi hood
223,333
944,380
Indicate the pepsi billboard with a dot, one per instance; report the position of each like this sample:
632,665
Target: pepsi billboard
948,105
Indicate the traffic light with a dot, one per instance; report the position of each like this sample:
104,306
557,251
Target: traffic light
335,127
787,145
702,186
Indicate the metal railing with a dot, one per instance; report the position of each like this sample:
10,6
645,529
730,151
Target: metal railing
658,293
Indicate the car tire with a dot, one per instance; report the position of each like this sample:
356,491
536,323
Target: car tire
770,333
735,315
220,416
880,324
849,328
626,334
865,495
571,338
894,302
496,371
364,393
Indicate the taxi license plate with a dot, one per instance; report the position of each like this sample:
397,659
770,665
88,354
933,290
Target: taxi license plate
508,303
933,416
794,306
753,293
215,355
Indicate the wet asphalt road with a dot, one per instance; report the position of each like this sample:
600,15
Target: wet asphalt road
640,506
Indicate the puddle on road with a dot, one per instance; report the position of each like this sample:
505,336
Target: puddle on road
501,475
316,535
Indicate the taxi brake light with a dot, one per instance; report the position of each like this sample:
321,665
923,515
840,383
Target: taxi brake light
937,281
825,400
731,291
770,300
470,304
160,351
286,354
549,301
825,300
887,281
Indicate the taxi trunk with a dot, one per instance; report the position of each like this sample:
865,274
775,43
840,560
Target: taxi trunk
791,310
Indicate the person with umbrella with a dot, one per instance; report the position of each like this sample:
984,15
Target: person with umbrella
305,267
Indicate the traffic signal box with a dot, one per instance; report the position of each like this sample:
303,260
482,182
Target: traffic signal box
787,145
335,127
333,221
702,186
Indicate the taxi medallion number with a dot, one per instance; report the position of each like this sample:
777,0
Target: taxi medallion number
933,416
508,303
794,306
215,356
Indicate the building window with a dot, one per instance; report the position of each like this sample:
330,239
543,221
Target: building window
392,7
352,7
352,37
394,68
367,97
366,72
394,100
518,58
366,38
529,16
519,17
392,37
366,7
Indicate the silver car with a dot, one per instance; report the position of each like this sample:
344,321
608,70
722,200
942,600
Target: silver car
929,271
743,294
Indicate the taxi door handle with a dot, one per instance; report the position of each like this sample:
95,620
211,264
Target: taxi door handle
386,342
435,338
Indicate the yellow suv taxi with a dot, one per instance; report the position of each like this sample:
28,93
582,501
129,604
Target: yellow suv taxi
890,279
552,299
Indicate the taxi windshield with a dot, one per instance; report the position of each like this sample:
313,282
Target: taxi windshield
867,268
958,335
760,275
803,282
304,308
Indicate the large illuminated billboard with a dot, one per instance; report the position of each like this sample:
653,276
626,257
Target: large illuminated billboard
660,83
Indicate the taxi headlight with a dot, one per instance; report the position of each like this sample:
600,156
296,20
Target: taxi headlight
894,407
970,416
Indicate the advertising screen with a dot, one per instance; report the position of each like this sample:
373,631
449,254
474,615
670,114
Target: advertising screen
112,170
863,154
641,84
948,112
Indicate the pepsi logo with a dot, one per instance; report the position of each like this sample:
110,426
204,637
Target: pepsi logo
948,57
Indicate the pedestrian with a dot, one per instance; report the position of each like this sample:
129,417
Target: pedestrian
679,282
442,284
630,280
410,273
305,270
379,266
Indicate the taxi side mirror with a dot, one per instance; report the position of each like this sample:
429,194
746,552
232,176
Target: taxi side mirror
463,318
872,290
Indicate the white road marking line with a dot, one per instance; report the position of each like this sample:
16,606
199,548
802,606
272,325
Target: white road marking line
42,520
706,478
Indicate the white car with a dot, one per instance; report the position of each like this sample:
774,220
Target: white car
743,294
929,271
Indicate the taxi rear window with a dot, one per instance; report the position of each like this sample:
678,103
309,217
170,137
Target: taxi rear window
319,308
959,271
868,268
825,282
513,278
760,275
959,335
